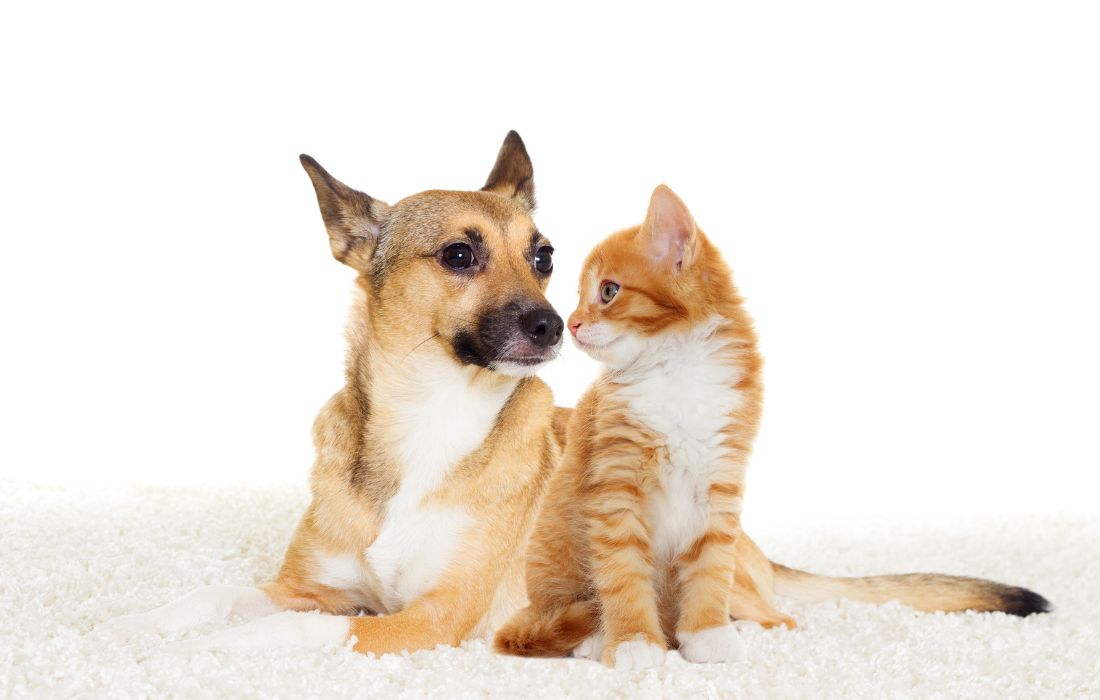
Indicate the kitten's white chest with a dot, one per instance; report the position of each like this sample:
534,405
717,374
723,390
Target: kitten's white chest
684,393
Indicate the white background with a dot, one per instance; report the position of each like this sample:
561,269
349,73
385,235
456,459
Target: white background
908,197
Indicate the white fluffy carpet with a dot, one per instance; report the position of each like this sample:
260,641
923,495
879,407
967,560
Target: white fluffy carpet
71,558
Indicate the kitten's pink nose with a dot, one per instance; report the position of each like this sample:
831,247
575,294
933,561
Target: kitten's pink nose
574,327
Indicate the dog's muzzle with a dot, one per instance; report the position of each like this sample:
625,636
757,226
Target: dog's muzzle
511,337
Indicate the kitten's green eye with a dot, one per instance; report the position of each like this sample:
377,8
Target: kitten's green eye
608,290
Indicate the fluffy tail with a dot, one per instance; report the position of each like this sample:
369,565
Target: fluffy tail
533,632
926,592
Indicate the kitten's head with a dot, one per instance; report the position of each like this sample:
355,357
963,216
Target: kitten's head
660,277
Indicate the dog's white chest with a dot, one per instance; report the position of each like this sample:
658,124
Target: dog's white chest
416,543
437,422
685,393
414,546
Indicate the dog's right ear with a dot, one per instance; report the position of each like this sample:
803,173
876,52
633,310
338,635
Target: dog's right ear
353,219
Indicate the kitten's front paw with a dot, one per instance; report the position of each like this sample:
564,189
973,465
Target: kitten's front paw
591,648
712,645
634,654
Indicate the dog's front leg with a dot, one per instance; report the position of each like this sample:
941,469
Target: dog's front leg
206,604
420,626
446,614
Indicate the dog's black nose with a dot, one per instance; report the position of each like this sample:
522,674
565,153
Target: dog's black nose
542,326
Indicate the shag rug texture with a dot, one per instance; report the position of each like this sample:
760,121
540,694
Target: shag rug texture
71,558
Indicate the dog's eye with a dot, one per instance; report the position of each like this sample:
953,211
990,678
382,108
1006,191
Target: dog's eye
458,256
608,290
544,259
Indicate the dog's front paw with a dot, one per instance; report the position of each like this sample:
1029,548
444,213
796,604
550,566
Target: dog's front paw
302,630
634,654
591,648
712,645
126,627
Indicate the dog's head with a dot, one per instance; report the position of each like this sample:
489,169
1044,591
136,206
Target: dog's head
463,272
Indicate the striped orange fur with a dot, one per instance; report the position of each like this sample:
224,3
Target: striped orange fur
609,531
638,545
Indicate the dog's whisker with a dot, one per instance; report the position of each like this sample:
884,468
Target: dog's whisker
471,321
417,346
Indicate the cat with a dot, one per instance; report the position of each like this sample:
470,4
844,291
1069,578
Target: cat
638,545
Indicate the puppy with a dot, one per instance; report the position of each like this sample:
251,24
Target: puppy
432,457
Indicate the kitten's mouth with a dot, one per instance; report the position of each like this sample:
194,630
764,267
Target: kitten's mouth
592,346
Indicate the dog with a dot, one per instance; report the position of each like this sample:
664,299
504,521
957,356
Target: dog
433,456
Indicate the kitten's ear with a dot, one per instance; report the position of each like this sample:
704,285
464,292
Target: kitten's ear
512,174
353,219
669,231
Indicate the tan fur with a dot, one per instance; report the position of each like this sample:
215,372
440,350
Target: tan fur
409,305
591,552
415,314
499,484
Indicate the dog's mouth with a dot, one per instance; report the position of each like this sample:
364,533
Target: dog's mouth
532,357
525,364
524,360
472,350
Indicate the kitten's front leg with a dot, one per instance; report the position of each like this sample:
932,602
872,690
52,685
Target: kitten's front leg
706,571
622,570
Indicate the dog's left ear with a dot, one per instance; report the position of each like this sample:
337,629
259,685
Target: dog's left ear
512,174
353,219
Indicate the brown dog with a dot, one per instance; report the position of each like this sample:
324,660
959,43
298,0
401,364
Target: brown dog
432,457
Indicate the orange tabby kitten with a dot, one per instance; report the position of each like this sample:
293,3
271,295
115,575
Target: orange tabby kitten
638,544
644,513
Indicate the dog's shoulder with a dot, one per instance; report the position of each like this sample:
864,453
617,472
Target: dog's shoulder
530,409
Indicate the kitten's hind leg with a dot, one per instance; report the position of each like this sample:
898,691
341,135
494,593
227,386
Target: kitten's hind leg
535,632
749,607
752,597
591,648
